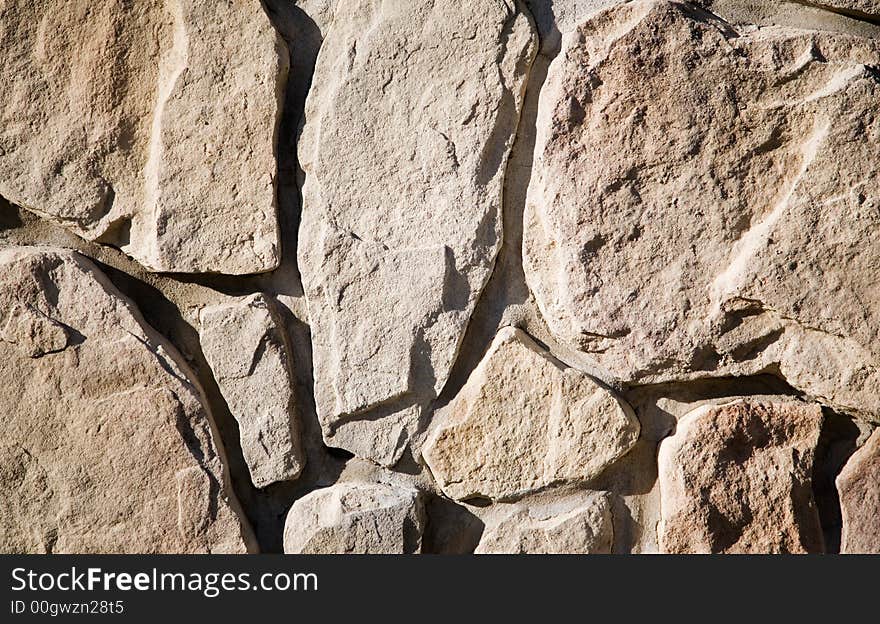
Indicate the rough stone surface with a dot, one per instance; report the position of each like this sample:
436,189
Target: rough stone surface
580,525
674,202
356,518
555,17
244,342
106,444
831,16
700,197
736,478
859,488
525,421
857,8
399,236
149,125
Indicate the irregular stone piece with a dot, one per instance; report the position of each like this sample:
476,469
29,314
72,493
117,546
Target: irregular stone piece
399,237
794,14
148,125
736,478
524,421
356,518
858,486
106,444
579,525
244,343
700,201
857,8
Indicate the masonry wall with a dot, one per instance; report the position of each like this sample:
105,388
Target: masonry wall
443,277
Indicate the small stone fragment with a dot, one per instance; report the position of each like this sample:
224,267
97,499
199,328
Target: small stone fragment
859,488
356,518
244,343
577,525
525,421
737,478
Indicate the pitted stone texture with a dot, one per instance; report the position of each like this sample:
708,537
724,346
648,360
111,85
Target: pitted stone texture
399,237
106,445
737,478
356,518
700,200
245,345
525,421
831,16
858,486
863,7
577,525
148,125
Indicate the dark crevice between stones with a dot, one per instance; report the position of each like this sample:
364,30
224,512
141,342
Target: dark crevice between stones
163,316
450,529
323,465
837,442
507,285
9,217
265,508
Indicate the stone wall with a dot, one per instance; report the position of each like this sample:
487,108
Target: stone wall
416,276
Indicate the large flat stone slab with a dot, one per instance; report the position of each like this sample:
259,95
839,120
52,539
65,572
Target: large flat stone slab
404,150
150,126
107,446
700,199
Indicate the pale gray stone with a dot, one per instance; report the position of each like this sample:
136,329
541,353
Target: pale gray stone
525,421
399,236
356,518
245,344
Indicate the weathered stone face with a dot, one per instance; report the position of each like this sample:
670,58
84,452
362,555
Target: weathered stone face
579,525
699,201
865,7
859,488
399,237
525,421
835,16
736,478
556,17
107,447
245,345
356,518
547,276
149,126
